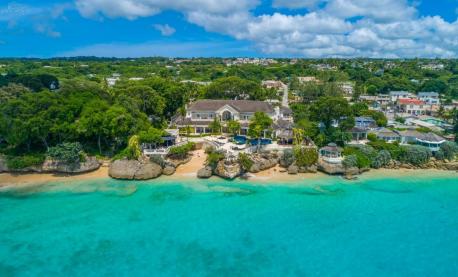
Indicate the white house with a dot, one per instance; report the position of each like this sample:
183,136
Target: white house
430,98
412,106
200,114
396,95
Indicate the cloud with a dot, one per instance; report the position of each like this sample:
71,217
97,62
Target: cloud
14,11
166,30
133,9
297,4
47,30
328,28
39,18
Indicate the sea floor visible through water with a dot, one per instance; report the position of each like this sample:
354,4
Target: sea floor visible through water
377,226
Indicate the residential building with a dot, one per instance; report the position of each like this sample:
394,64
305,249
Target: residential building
430,140
433,66
412,106
200,114
359,134
272,84
387,135
347,87
308,79
430,98
396,95
365,122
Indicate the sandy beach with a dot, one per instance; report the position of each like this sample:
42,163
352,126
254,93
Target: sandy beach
190,169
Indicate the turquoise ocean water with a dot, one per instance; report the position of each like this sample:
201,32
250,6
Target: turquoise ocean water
322,227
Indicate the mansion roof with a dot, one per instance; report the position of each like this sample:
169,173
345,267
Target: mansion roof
239,105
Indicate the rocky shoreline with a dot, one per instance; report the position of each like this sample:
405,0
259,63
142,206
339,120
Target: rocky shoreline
52,166
227,168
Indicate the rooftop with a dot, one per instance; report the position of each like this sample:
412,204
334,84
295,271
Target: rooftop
239,105
411,102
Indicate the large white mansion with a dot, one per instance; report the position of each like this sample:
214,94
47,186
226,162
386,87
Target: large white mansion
200,114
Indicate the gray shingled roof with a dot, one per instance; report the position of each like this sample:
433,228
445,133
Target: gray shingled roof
239,105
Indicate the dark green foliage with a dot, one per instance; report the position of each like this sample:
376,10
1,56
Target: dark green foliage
235,88
364,155
245,161
21,162
415,154
382,159
439,155
213,157
394,148
350,161
181,151
305,156
67,152
449,149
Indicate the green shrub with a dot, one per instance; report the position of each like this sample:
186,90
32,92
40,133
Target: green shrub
394,148
245,161
67,152
415,154
21,162
364,154
382,159
305,156
350,161
213,158
372,137
181,152
439,155
450,150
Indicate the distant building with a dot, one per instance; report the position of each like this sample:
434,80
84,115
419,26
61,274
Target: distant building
430,98
396,95
347,87
112,81
430,140
136,79
308,79
412,106
365,122
387,135
433,66
272,84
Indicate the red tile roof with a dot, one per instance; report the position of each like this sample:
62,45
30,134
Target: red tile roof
411,102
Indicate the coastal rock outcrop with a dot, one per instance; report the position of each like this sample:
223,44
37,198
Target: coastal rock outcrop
293,169
134,170
331,168
205,173
263,162
228,169
168,170
90,164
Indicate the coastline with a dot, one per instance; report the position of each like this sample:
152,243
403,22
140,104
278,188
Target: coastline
189,170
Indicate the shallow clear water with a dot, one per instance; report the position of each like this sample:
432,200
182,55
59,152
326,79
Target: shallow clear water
326,227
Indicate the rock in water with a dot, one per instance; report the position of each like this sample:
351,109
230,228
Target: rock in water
205,173
134,170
